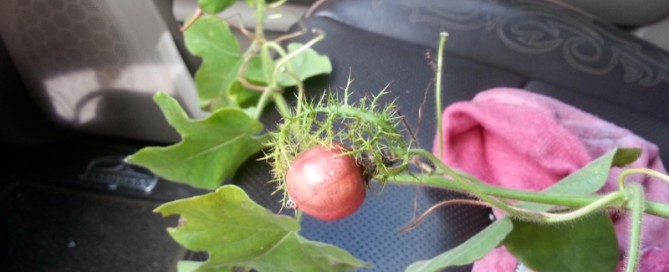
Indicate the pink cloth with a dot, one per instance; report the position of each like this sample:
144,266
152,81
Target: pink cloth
522,140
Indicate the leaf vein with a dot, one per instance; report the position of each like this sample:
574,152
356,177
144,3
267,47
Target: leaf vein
215,147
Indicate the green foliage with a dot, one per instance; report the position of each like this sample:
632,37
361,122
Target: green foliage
235,85
211,39
223,65
306,64
625,156
583,182
191,266
210,150
590,178
237,232
473,249
587,244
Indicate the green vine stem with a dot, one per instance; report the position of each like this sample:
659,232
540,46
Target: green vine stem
439,181
262,102
440,60
612,199
644,171
637,201
260,19
469,186
281,104
473,186
282,67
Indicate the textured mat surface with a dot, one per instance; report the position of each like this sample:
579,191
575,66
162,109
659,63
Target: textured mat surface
56,229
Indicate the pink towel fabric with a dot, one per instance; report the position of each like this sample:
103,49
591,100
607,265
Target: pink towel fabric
522,140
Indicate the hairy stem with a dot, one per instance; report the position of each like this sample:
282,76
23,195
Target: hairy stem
440,59
263,101
636,199
276,47
439,181
280,65
597,205
644,171
300,92
241,75
472,186
260,20
357,113
281,104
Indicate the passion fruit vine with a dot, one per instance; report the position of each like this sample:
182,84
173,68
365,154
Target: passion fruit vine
326,183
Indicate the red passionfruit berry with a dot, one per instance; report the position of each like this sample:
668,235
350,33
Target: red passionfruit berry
325,184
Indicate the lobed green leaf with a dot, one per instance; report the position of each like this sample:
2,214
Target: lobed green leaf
217,79
237,232
210,151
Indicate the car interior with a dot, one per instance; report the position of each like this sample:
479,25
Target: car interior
77,77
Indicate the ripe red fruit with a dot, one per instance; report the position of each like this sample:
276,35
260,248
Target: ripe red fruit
325,184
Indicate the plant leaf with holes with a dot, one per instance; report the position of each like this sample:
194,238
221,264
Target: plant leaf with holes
210,150
237,232
587,244
471,250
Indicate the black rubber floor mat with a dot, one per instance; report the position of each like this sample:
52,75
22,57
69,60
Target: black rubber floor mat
57,229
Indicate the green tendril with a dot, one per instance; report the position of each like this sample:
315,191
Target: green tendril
644,171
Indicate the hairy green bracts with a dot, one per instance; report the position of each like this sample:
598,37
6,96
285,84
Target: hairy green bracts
368,129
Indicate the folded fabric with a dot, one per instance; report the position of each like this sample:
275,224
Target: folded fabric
522,140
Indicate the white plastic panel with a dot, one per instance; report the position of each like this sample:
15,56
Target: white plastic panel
94,65
280,19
